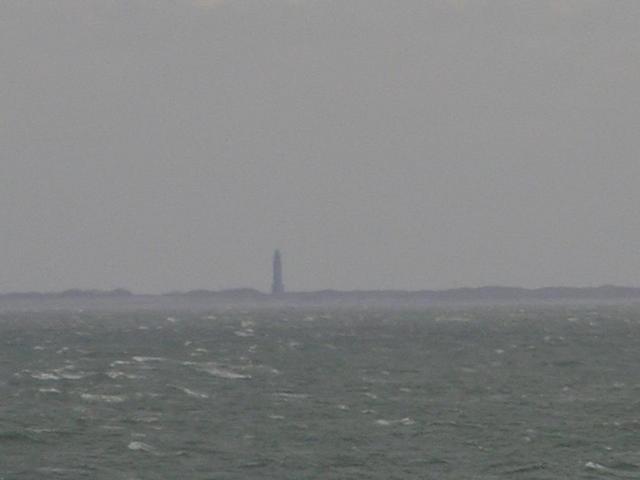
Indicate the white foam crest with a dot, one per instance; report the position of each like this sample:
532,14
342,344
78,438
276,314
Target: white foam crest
90,397
119,362
595,466
45,376
114,374
141,447
244,333
191,393
403,421
148,359
217,371
49,390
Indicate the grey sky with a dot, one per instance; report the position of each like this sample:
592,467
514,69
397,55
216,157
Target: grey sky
172,144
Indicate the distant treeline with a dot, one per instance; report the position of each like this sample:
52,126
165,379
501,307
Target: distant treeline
480,294
72,293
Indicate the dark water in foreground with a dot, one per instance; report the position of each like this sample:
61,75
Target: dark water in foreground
482,394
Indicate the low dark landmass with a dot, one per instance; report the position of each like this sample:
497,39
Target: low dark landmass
246,297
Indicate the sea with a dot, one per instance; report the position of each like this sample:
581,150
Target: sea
508,392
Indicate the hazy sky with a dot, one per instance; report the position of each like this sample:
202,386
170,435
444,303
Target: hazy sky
173,144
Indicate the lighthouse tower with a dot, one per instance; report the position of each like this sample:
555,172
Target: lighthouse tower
277,287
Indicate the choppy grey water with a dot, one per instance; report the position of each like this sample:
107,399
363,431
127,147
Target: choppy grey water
484,394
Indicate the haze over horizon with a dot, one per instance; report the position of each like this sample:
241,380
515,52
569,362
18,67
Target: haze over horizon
162,145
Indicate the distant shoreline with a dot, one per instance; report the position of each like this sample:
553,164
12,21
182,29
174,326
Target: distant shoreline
395,298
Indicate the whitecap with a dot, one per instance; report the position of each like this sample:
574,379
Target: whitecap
172,319
191,393
141,447
224,373
41,430
114,374
119,362
148,359
403,421
244,333
595,466
102,398
146,418
49,390
45,376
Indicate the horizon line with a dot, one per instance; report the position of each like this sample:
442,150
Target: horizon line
127,291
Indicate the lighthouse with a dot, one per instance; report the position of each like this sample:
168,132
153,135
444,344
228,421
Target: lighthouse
277,286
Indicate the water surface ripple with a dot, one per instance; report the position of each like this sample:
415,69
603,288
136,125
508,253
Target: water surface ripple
489,393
